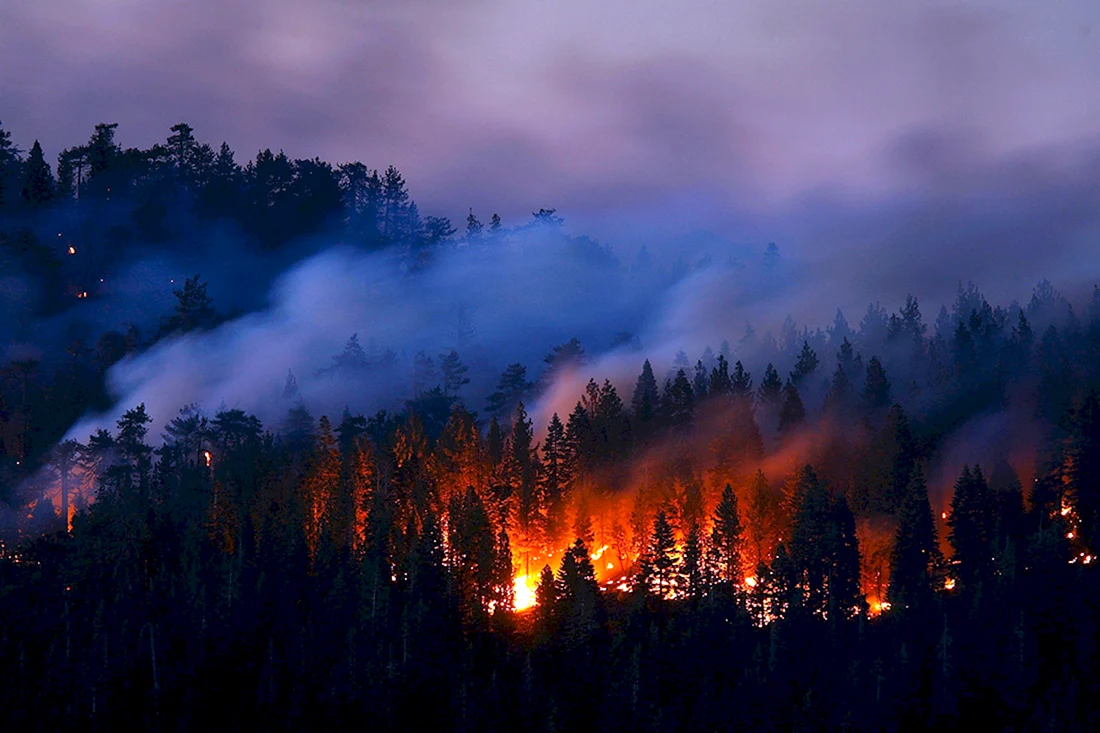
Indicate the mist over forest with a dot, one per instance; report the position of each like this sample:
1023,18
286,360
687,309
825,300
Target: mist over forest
279,449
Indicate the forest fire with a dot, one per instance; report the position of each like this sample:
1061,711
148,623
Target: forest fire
524,589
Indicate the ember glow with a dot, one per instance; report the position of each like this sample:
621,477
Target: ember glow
524,587
624,404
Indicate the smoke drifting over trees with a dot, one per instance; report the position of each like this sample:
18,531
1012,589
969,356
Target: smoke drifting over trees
270,427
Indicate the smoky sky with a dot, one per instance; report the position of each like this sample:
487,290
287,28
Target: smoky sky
590,107
889,148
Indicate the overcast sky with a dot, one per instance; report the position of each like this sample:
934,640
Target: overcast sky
692,108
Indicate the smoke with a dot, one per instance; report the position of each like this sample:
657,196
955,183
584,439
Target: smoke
538,288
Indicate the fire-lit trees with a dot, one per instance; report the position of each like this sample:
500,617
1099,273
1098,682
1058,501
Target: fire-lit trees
553,479
1083,457
384,567
726,540
824,551
659,571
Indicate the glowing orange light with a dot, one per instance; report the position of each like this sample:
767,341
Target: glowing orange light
72,250
949,584
209,458
524,593
750,581
943,515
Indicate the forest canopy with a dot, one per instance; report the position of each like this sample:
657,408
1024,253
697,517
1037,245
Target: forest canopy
889,523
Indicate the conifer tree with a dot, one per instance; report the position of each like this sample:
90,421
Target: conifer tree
726,539
553,481
512,387
971,524
38,182
845,598
771,388
645,402
695,571
876,388
805,366
792,413
915,556
678,404
720,383
454,373
661,564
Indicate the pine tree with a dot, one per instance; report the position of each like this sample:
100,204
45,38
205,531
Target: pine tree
720,383
699,380
845,598
524,465
502,594
395,206
792,413
806,365
810,541
646,401
577,456
726,539
474,228
971,524
38,182
677,408
512,388
661,564
9,169
194,308
546,612
876,388
695,573
916,555
740,382
553,481
577,598
1084,472
771,388
563,356
454,373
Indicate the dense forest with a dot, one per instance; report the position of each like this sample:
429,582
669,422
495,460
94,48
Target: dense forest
881,527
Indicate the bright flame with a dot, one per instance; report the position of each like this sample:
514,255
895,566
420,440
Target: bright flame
943,515
750,581
209,458
524,593
72,250
949,584
599,553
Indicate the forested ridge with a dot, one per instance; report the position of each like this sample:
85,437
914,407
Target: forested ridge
880,527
